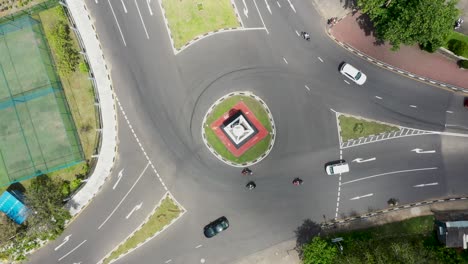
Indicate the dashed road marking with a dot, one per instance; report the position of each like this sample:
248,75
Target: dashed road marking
285,60
378,97
320,59
346,81
278,4
307,87
413,106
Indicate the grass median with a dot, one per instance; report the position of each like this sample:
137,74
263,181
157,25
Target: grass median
257,109
190,18
164,214
354,128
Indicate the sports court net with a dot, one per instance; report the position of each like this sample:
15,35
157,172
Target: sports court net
37,133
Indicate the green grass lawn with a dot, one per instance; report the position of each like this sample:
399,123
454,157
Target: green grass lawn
259,112
190,18
163,215
458,36
353,128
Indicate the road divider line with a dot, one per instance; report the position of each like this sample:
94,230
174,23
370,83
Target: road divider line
149,7
121,201
378,97
307,87
199,246
124,7
261,18
116,21
360,197
413,106
141,18
389,173
426,184
320,59
285,60
268,7
278,4
64,256
346,81
292,6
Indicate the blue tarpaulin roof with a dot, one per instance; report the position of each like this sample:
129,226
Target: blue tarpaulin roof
13,208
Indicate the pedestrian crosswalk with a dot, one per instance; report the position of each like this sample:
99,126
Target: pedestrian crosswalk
403,132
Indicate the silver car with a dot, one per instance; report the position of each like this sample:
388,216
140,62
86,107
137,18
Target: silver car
352,73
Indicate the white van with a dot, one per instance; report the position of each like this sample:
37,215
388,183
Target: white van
337,168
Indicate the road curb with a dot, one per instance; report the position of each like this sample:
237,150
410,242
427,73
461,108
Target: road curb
393,68
166,195
392,209
270,117
80,18
202,36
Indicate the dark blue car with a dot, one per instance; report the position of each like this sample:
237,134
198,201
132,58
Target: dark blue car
218,225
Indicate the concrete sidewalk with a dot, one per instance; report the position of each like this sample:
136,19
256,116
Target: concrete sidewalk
107,152
356,31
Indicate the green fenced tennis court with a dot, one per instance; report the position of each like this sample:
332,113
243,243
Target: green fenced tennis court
37,133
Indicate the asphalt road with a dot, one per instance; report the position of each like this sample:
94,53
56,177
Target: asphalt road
165,96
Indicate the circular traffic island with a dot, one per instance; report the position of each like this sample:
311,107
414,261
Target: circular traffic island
239,129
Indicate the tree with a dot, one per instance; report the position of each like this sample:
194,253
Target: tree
44,198
319,252
426,22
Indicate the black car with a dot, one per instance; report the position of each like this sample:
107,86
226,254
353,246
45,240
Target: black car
218,225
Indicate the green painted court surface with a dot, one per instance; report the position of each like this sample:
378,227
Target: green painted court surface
37,133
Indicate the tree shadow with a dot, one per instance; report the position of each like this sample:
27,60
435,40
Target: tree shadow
367,26
304,233
349,4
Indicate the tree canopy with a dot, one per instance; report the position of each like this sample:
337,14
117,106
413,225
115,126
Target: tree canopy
425,22
318,252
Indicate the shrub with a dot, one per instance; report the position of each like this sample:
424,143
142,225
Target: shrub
75,184
458,47
84,67
463,64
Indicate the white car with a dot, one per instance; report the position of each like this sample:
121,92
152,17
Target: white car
352,73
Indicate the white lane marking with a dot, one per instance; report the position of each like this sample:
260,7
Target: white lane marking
246,10
297,33
338,197
116,21
121,201
285,60
124,7
360,160
199,246
96,1
65,240
413,106
149,7
307,87
167,261
268,7
448,125
141,18
292,7
389,173
72,250
119,177
426,184
450,112
320,59
359,197
261,18
136,208
346,81
378,97
278,4
420,151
